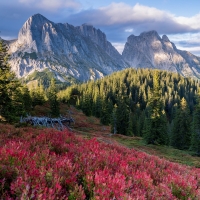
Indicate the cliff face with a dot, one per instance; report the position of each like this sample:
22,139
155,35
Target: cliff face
149,50
80,53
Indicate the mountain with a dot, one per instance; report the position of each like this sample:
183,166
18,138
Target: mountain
149,50
45,49
69,53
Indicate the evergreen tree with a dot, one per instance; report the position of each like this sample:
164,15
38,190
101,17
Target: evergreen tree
27,101
38,95
114,120
195,129
52,97
130,125
105,115
86,104
97,107
10,96
156,124
122,115
181,128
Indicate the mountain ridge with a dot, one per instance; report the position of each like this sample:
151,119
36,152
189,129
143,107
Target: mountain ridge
149,50
83,52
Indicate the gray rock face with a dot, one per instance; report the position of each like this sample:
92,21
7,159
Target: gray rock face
149,50
81,53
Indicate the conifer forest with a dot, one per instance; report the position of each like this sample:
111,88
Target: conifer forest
161,107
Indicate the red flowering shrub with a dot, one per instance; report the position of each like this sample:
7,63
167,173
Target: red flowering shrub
59,165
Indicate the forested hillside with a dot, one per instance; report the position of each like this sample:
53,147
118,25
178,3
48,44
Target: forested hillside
160,106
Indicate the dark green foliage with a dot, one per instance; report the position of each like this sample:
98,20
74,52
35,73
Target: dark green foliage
181,128
122,114
12,103
153,101
155,130
113,120
86,104
195,129
97,107
52,97
27,101
130,125
105,114
38,95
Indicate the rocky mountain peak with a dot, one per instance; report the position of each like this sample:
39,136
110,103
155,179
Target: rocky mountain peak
150,34
38,18
34,22
148,50
30,33
165,38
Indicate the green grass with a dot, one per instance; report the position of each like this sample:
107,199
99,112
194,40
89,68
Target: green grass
167,152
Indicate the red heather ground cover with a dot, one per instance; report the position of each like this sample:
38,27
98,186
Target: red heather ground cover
47,164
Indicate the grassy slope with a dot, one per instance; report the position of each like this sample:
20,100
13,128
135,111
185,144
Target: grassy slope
90,127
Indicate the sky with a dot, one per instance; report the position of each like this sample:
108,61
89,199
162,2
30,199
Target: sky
178,19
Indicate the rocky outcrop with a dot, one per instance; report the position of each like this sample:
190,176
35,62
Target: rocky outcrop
149,50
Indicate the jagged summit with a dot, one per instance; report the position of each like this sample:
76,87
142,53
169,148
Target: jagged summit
35,20
151,33
149,50
148,35
165,38
38,16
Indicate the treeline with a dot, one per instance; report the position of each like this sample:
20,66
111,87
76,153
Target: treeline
160,106
15,99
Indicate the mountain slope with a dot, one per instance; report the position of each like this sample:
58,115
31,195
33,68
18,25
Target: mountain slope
69,52
149,50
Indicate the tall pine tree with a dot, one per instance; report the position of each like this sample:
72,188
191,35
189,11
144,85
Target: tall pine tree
195,128
181,129
10,95
52,96
155,129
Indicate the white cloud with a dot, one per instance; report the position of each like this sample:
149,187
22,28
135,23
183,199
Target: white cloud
188,41
138,17
52,5
124,13
130,30
193,21
118,46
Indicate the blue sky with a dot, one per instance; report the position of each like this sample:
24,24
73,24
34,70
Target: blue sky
178,19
